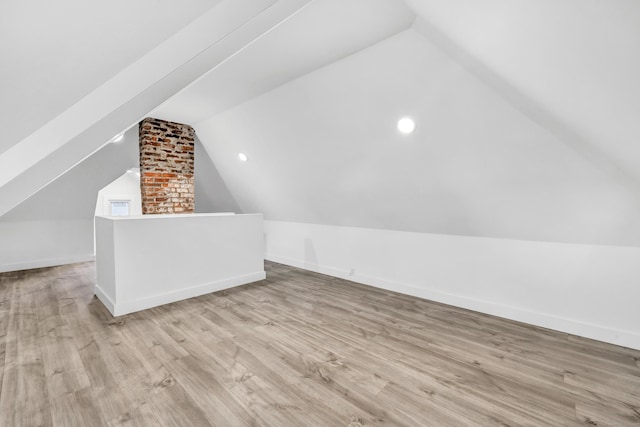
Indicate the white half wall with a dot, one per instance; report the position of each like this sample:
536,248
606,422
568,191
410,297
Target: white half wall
586,290
35,244
149,260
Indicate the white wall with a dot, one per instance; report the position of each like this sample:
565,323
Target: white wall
126,187
586,290
573,64
73,195
211,192
55,225
34,244
324,149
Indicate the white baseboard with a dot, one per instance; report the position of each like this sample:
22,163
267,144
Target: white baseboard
104,298
119,308
51,262
545,320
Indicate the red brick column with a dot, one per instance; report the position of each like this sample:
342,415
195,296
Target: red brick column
166,167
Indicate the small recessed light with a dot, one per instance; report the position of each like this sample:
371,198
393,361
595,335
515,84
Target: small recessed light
118,137
406,125
242,157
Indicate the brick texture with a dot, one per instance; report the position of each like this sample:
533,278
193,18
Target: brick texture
166,167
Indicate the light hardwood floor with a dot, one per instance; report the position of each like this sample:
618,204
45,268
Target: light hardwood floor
297,349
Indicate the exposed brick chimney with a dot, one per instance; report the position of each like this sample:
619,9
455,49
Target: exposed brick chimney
166,167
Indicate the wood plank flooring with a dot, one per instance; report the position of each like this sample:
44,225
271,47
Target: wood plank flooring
297,349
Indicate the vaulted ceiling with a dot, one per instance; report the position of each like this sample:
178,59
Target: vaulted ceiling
527,110
172,60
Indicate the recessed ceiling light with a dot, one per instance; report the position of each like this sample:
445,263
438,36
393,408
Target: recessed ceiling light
118,137
242,157
406,125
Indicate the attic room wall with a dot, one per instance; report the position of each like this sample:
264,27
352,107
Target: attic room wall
212,194
335,180
126,187
324,149
55,225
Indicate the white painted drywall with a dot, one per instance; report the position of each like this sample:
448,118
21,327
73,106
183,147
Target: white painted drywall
321,33
324,149
586,290
573,64
73,195
126,187
44,243
150,260
55,225
55,53
211,192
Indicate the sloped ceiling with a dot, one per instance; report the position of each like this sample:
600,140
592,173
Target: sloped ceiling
318,35
572,65
324,149
526,116
547,153
73,195
55,53
75,133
